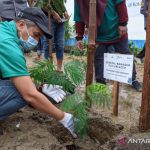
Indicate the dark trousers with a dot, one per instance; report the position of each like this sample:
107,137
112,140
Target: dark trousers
10,99
121,47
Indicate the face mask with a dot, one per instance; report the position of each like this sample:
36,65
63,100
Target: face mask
29,44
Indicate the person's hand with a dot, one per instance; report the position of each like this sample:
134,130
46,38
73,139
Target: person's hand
56,17
80,45
122,30
69,122
54,91
66,15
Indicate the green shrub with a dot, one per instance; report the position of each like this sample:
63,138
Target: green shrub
73,76
133,48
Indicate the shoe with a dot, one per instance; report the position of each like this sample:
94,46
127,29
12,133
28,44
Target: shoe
137,86
101,81
141,55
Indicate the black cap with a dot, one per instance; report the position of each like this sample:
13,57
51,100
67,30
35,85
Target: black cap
36,15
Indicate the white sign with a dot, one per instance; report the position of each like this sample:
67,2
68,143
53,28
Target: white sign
118,67
133,7
136,20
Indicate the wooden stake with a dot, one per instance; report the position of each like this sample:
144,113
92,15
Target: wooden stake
144,121
115,98
50,40
91,42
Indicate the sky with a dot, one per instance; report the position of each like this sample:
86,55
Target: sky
70,9
136,20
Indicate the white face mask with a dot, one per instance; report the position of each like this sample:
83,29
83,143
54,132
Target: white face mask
28,44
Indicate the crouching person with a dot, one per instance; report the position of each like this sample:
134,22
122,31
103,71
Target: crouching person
16,86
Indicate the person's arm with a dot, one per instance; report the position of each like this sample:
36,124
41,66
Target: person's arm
79,26
144,8
29,93
123,17
122,13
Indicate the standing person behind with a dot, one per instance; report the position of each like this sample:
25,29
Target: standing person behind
111,23
144,11
10,8
59,15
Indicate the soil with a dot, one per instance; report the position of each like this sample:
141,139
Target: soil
32,130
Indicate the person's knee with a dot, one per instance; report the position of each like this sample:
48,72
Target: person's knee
11,107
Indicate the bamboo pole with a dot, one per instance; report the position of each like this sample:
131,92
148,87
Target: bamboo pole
50,40
91,42
144,121
115,98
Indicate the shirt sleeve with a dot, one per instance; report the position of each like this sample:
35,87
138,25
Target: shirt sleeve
122,13
12,61
80,27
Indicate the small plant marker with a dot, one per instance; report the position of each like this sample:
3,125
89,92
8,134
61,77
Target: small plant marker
144,122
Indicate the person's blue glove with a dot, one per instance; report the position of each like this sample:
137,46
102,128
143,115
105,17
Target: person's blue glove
69,122
54,91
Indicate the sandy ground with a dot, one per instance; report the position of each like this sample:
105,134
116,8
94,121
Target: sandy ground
31,130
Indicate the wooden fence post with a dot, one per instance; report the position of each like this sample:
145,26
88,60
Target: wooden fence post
91,42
